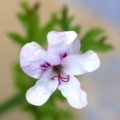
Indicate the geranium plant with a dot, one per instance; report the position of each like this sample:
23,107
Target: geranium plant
93,40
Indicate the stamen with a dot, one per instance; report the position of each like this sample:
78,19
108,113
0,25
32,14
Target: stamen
65,79
61,79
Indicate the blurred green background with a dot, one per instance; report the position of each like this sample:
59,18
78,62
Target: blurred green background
95,33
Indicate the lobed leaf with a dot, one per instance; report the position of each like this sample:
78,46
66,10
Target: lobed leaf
95,39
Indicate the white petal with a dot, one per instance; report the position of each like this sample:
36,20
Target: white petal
30,58
43,89
37,95
53,59
75,96
80,64
55,37
63,42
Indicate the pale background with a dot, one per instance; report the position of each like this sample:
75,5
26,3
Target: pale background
102,86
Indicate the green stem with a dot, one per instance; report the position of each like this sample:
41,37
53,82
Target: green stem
12,102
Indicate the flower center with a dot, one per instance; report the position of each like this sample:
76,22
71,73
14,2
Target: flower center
57,69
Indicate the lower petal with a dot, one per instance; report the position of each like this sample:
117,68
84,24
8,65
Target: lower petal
42,90
37,95
75,96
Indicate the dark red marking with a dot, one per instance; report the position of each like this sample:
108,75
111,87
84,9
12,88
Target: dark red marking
63,55
45,66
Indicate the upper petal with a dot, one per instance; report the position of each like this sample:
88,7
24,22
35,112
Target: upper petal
80,64
63,42
31,56
75,96
42,90
53,59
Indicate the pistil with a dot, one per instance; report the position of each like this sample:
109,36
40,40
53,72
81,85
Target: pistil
60,78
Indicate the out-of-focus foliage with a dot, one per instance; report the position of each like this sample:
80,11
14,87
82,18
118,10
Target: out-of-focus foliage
93,39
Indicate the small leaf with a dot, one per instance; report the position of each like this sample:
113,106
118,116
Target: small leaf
24,5
76,28
92,34
16,38
95,40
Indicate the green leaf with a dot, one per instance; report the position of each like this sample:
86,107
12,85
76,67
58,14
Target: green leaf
76,28
24,5
95,39
29,19
15,37
23,18
92,34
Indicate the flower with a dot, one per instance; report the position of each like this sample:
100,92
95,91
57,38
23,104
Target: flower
56,67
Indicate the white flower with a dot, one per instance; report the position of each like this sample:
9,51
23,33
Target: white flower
56,67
